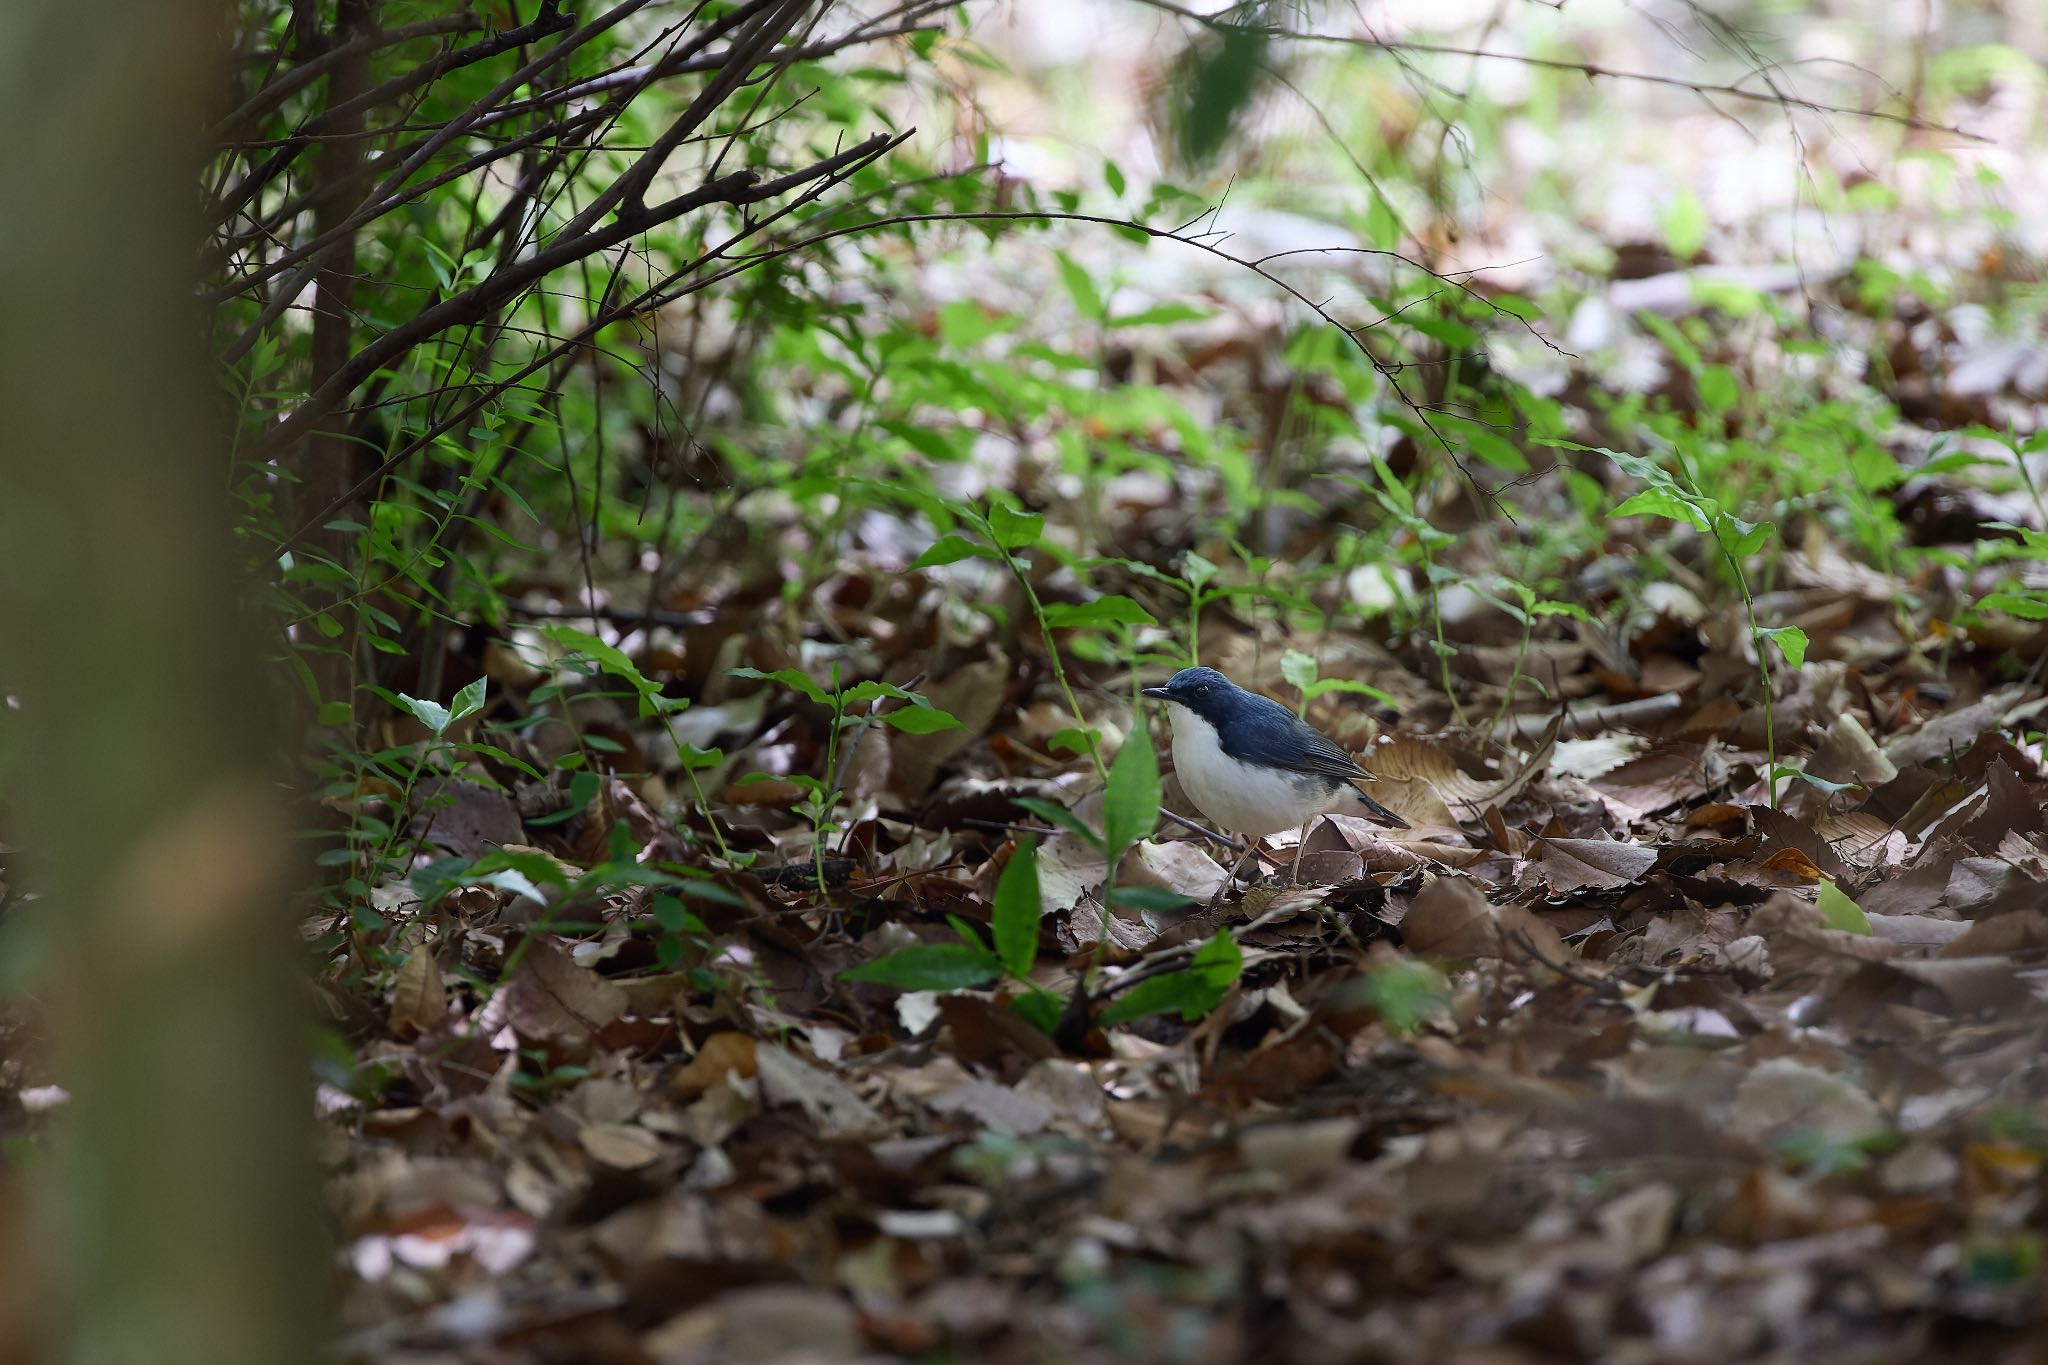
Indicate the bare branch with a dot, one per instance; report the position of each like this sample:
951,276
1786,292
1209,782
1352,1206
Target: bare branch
1590,70
738,188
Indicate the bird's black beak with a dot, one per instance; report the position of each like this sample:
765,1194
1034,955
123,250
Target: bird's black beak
1161,693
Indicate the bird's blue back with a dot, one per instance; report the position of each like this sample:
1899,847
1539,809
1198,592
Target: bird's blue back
1256,729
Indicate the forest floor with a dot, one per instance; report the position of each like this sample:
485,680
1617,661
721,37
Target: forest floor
1699,1016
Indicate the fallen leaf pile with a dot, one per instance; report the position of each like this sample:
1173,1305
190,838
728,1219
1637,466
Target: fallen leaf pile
1607,1058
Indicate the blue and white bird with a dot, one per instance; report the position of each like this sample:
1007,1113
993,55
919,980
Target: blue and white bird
1253,766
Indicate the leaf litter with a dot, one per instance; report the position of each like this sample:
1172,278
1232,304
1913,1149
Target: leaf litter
1606,1058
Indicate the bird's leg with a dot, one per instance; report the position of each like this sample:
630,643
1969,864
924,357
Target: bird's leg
1251,850
1300,839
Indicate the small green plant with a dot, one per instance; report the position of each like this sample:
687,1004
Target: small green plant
1303,674
378,848
587,654
854,707
1735,542
1005,532
1130,811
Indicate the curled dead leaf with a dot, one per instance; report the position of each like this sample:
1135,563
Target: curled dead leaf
1597,864
720,1055
1465,783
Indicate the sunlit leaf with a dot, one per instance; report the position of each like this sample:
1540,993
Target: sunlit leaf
1840,911
920,720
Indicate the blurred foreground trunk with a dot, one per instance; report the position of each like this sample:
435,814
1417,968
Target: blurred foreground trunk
179,1220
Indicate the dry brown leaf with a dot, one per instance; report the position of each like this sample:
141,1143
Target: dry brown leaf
552,998
1666,776
1579,864
831,1105
622,1146
1451,918
997,1108
1792,862
1781,1097
1466,783
972,694
419,1000
1182,865
718,1056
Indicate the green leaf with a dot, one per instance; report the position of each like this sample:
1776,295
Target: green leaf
1041,1008
1222,75
1719,389
920,720
1496,450
1061,816
1752,541
1154,898
1662,502
1087,298
1685,224
874,689
1130,802
536,865
608,657
2024,606
1362,689
1185,993
930,967
583,787
1017,910
1112,610
1013,529
1071,740
1382,226
431,714
613,661
1841,912
1300,669
791,678
923,440
1790,639
509,760
693,758
1405,992
1219,960
1160,314
470,699
674,917
951,549
1193,992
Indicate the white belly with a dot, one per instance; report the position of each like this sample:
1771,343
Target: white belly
1250,802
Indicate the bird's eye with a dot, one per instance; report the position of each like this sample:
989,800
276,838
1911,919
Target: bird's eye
1203,689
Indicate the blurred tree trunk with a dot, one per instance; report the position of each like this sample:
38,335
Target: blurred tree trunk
330,461
181,1223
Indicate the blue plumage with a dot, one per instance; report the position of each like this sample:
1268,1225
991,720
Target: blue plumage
1250,763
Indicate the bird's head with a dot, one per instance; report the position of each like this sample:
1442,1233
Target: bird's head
1203,691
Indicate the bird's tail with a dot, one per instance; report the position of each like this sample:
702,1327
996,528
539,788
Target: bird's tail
1381,813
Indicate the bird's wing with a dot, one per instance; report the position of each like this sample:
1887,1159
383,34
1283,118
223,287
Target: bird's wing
1321,755
1276,735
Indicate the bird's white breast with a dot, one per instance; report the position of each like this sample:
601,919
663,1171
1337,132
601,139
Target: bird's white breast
1241,798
